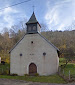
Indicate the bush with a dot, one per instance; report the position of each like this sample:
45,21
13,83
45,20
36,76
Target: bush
0,73
6,72
3,62
26,74
14,74
36,74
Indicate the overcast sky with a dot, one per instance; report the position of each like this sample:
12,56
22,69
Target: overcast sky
56,14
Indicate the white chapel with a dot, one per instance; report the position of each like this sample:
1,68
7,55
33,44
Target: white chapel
33,53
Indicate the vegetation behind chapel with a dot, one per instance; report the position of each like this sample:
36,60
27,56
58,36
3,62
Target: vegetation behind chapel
64,40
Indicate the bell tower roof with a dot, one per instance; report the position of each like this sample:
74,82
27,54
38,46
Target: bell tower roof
32,25
32,19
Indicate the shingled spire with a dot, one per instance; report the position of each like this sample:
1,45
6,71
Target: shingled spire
33,25
32,19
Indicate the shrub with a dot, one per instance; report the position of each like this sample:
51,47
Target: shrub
3,62
26,74
36,74
14,74
6,72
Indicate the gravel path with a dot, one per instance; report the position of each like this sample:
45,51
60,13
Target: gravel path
21,82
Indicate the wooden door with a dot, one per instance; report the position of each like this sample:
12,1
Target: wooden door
32,69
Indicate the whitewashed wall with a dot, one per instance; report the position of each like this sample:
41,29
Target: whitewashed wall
33,53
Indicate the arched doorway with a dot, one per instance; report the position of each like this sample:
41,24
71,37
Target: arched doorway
32,69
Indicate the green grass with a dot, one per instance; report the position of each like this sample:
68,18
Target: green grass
70,67
46,79
4,67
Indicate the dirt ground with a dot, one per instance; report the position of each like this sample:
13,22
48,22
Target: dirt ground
21,82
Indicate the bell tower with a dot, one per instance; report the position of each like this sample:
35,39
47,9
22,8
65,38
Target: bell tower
33,25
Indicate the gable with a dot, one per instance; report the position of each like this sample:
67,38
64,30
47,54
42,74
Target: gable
40,36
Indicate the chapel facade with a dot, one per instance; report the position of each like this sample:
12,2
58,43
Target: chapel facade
33,53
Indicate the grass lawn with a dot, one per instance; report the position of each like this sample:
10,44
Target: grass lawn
47,79
69,67
4,67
